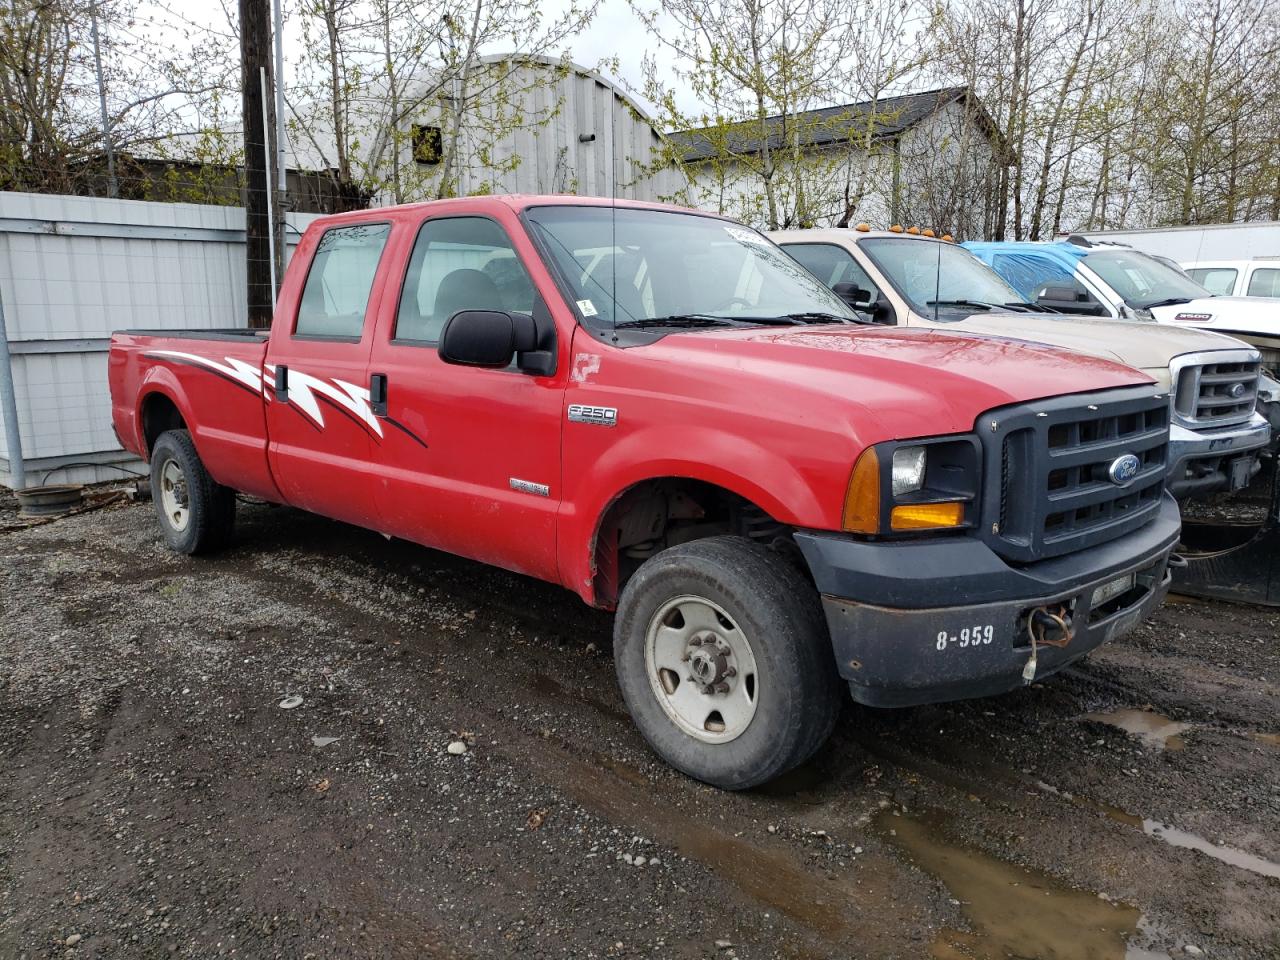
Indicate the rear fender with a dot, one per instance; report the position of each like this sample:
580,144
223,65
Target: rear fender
161,380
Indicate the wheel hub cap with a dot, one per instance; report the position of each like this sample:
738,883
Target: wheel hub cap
710,663
174,497
702,669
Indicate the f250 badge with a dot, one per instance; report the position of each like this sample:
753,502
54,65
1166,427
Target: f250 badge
600,416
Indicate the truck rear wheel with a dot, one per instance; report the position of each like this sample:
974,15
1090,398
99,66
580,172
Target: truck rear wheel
724,661
196,513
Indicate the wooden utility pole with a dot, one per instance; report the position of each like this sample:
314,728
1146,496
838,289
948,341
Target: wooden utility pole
255,64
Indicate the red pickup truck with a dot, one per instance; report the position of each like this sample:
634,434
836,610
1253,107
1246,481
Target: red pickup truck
663,412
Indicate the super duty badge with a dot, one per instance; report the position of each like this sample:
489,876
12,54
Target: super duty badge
600,416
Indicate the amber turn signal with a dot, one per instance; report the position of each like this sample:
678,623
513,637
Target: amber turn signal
862,500
921,516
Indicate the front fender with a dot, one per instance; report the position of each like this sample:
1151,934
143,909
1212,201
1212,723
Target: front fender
744,467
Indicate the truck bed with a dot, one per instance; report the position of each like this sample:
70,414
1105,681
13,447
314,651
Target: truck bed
208,381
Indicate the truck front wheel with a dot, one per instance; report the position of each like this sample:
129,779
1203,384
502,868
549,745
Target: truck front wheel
196,513
725,662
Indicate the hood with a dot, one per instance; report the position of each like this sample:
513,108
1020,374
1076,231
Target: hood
1255,315
1136,343
910,382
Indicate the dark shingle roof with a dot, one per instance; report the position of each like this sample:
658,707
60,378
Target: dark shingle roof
816,127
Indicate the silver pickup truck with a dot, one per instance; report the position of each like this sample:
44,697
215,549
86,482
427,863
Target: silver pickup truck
912,279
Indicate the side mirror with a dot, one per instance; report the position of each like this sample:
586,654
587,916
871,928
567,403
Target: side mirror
486,338
852,294
882,311
1066,299
491,338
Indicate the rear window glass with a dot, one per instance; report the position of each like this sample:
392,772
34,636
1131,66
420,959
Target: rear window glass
1265,283
336,296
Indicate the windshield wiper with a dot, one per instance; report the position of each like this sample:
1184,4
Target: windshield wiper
817,316
1166,302
977,304
677,320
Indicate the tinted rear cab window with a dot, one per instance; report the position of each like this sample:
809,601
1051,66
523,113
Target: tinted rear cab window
336,295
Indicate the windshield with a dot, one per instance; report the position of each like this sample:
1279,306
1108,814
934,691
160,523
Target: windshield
1143,281
628,267
929,273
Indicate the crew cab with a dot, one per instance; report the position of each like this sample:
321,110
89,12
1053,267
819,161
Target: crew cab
661,411
914,280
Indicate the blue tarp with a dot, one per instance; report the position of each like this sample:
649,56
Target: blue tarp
1028,266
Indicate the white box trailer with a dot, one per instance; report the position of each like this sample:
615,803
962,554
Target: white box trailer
1218,241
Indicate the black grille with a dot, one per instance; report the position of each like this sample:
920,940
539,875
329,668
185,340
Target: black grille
1217,394
1053,458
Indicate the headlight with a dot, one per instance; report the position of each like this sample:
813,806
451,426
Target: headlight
908,470
910,487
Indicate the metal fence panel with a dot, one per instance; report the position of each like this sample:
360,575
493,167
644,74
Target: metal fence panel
72,270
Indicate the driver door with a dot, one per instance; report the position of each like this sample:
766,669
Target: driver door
469,460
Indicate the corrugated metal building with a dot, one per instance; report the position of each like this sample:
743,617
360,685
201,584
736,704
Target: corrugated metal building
73,269
529,124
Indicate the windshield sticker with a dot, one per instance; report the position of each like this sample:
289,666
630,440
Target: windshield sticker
587,308
746,236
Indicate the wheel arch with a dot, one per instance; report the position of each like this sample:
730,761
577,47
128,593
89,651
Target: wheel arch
664,509
157,413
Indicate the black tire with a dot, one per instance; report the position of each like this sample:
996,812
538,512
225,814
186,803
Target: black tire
210,507
797,689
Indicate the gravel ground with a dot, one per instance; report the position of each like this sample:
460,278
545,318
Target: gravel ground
158,800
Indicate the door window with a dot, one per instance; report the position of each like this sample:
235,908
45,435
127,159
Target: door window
1265,282
459,263
1220,281
831,265
336,295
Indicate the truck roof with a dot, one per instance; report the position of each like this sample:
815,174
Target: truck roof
840,233
513,201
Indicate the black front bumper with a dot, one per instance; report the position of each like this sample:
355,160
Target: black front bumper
946,619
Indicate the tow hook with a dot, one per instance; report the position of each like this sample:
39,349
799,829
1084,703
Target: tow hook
1041,621
1177,561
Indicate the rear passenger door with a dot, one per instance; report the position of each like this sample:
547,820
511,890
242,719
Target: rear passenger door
469,461
319,419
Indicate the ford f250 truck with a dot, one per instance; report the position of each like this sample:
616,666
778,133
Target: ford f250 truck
661,411
914,280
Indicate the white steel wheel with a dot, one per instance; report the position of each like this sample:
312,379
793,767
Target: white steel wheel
702,669
174,496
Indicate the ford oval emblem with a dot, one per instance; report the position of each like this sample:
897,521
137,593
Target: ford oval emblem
1237,391
1124,469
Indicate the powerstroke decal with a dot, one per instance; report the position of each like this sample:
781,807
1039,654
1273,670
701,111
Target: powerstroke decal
305,391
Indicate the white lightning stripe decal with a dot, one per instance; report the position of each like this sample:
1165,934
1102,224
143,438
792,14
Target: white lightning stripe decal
303,388
303,391
237,370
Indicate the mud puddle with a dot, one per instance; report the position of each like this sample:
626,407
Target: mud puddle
1174,836
1013,911
1236,858
1151,728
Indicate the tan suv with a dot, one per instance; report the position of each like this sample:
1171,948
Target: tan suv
909,279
